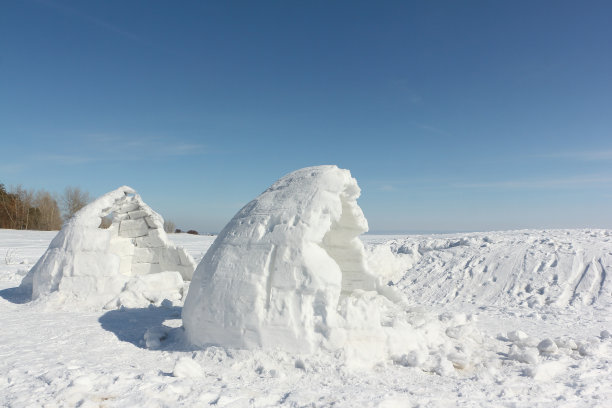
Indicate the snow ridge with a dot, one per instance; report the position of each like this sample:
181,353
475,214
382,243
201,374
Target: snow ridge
556,268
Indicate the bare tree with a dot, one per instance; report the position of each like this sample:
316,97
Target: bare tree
73,199
49,217
25,213
169,226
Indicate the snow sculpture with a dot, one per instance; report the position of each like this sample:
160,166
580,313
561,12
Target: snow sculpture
275,275
95,265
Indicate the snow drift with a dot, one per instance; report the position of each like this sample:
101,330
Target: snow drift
534,269
289,272
131,263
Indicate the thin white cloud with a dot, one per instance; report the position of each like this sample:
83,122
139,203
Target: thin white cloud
64,158
93,20
11,168
142,147
117,148
433,129
568,182
594,155
387,187
182,149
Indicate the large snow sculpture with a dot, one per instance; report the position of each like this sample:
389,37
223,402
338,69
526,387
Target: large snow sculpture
275,274
94,265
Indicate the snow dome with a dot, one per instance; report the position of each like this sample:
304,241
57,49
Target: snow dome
275,274
129,262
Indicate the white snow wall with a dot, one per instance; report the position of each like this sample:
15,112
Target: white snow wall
275,274
93,265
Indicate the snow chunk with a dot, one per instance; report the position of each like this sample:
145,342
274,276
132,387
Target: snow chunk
290,272
523,355
547,346
94,265
546,371
518,337
142,291
186,367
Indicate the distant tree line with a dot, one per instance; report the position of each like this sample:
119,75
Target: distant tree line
192,232
24,209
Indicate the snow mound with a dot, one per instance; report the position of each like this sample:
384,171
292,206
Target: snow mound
532,269
98,267
289,272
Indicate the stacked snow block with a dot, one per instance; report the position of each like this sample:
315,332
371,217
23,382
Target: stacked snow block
139,240
96,266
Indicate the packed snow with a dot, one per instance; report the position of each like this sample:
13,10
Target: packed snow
543,268
131,263
513,318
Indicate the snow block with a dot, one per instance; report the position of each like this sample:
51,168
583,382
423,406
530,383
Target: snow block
133,228
94,265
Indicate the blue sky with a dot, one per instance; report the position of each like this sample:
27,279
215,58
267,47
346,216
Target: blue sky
453,116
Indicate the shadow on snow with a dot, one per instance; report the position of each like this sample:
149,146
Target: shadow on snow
17,295
144,328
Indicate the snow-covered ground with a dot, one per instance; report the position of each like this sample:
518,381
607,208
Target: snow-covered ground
541,302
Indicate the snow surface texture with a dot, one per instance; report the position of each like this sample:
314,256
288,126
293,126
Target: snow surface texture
137,357
544,268
290,272
132,263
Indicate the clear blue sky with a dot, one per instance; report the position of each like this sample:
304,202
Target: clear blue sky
452,115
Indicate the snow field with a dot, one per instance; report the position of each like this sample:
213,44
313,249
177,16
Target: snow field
50,357
528,268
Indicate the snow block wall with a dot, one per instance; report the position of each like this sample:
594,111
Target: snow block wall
97,266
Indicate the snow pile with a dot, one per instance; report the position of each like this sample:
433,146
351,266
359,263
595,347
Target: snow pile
290,272
132,263
534,269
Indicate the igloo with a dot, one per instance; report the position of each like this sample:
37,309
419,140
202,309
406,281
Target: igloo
132,259
275,275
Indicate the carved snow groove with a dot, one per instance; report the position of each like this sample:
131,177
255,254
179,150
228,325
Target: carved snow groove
271,269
